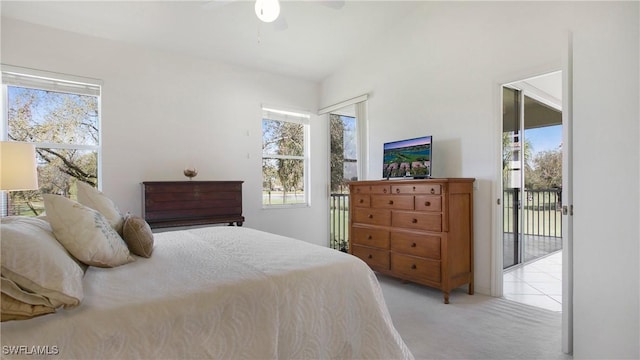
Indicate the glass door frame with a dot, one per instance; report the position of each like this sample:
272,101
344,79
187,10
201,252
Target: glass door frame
514,176
359,106
348,154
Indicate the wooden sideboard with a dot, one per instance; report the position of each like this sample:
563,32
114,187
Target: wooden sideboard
188,203
416,230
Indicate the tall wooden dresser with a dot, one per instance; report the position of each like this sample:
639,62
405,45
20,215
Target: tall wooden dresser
188,203
416,230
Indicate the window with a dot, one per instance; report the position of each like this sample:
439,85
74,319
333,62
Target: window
60,115
285,168
344,151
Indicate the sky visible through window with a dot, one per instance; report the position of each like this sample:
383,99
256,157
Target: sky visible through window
545,138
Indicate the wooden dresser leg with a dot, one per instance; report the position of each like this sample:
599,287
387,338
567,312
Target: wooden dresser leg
446,298
471,288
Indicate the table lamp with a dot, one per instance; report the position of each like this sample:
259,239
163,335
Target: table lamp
18,170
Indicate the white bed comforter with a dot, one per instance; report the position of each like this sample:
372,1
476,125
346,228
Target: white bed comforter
221,293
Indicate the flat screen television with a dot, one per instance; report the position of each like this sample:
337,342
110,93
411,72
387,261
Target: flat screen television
408,158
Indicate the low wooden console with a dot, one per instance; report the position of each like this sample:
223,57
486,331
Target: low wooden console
415,230
188,203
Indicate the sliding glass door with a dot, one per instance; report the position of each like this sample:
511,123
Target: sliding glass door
512,160
344,168
531,172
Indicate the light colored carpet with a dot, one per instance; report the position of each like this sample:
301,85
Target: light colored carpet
471,326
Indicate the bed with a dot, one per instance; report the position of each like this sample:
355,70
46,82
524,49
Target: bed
215,292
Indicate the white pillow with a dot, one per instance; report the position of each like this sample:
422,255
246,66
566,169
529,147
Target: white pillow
91,197
85,233
33,259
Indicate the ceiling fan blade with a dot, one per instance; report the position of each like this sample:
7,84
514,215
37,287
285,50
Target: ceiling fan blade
214,4
280,24
334,4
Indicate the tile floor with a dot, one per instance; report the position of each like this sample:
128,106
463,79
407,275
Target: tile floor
538,283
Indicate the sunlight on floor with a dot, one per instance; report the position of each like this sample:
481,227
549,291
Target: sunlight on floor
538,283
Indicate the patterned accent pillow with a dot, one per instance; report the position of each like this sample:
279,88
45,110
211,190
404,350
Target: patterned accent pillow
136,232
34,261
85,233
95,199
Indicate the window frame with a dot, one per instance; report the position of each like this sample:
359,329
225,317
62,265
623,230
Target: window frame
13,76
277,113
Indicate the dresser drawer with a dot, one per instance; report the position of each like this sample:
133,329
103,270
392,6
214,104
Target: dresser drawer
371,189
361,200
415,268
377,259
417,220
380,217
372,237
401,202
380,189
434,189
360,189
428,203
422,245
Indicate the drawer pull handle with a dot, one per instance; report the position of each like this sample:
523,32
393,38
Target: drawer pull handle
370,216
413,245
369,237
390,202
370,256
414,221
433,191
413,266
361,201
384,191
397,190
414,188
427,203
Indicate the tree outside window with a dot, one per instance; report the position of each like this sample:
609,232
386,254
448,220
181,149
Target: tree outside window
342,130
64,125
284,158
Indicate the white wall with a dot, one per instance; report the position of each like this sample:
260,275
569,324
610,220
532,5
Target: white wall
439,73
606,233
162,111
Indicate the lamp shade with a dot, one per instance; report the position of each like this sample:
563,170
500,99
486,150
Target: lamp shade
18,170
267,10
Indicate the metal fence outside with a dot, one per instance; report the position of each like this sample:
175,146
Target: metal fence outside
339,222
532,226
541,211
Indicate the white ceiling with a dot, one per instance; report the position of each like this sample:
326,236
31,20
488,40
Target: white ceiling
310,39
546,89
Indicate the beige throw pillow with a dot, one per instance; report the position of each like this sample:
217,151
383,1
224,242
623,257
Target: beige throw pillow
136,232
85,233
13,309
93,198
12,289
35,261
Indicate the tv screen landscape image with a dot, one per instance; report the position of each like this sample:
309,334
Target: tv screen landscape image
408,158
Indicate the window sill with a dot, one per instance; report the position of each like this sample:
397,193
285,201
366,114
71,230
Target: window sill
285,206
